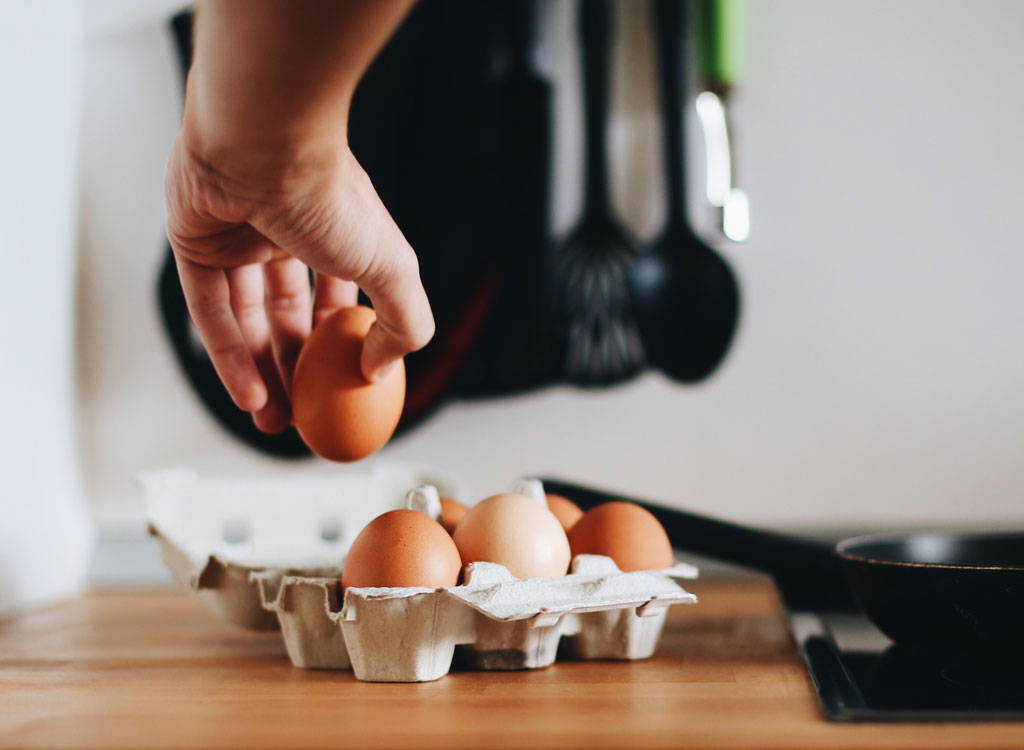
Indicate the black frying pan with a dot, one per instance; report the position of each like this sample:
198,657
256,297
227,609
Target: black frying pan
929,591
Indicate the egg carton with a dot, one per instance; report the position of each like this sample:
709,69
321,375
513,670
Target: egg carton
412,634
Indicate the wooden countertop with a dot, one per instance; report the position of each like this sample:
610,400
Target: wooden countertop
155,669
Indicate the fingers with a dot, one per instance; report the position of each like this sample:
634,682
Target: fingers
289,312
227,308
208,296
330,294
247,304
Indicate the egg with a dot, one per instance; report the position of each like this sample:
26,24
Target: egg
339,414
626,533
566,511
452,512
517,532
402,548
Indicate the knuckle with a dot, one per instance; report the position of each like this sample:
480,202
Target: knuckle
246,308
226,351
414,334
394,267
287,302
405,264
204,308
420,333
178,240
376,275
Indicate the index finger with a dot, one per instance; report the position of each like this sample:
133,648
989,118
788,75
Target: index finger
208,297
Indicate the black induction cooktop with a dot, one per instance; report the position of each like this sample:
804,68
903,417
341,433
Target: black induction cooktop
861,676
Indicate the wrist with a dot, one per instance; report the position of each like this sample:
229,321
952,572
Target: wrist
258,146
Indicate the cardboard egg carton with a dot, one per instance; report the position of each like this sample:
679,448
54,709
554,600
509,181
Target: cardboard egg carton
492,620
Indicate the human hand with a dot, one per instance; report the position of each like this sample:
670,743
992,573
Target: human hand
245,234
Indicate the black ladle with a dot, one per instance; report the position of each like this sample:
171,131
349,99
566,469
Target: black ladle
685,296
929,591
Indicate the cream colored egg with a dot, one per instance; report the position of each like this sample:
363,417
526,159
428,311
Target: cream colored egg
517,532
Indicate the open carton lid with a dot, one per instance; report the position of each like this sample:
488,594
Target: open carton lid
216,534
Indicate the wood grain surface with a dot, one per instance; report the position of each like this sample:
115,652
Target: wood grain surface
154,669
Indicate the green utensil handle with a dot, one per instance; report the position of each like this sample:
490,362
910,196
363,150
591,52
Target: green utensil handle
722,32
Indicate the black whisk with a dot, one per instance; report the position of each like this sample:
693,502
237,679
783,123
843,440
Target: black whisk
591,269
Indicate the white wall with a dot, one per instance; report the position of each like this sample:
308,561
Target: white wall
875,378
44,528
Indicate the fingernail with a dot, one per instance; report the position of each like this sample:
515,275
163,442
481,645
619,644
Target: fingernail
383,372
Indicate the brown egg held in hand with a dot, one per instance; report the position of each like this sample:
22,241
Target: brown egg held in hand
566,511
402,548
339,414
452,512
626,533
517,532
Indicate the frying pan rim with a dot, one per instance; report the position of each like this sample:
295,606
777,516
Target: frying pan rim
842,553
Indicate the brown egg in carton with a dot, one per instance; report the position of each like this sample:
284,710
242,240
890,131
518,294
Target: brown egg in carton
492,620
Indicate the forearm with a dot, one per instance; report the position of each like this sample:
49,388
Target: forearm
272,80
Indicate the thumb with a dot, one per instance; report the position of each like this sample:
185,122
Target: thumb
404,320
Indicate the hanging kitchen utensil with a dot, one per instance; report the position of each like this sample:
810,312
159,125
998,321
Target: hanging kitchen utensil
720,34
513,352
685,295
927,591
590,269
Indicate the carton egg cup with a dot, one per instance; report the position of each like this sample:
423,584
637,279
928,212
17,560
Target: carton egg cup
409,634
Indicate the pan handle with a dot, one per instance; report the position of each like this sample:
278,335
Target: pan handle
785,557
